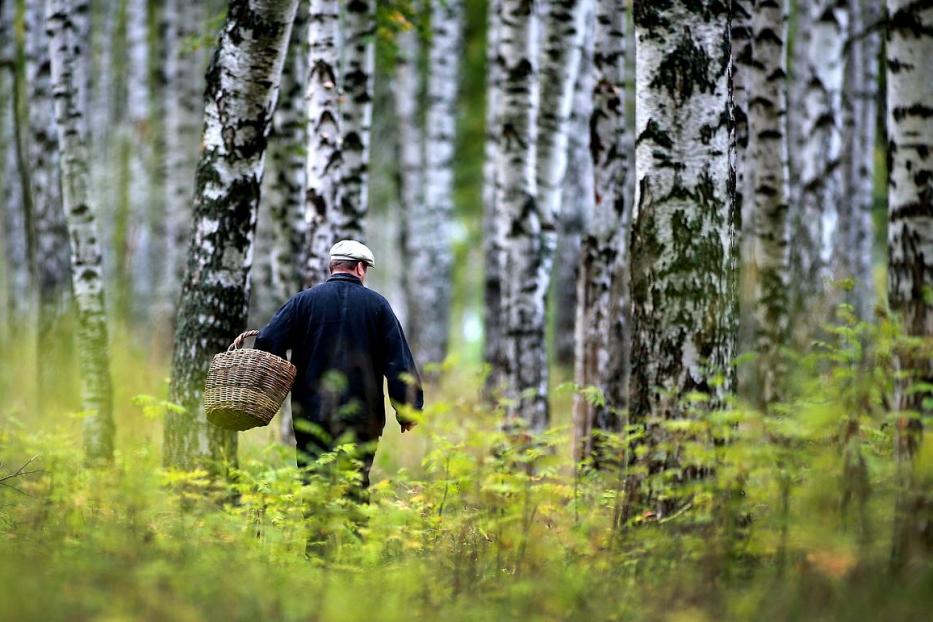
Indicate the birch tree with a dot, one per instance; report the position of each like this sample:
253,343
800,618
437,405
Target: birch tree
910,257
853,248
683,221
287,161
356,112
242,84
768,175
576,201
603,314
184,88
324,154
492,242
819,185
429,221
67,55
410,151
54,287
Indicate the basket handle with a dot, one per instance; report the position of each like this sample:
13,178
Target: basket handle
238,342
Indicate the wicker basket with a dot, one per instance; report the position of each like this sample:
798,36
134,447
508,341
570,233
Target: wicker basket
245,387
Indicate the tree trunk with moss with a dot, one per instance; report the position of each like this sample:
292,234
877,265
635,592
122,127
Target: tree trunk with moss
683,223
910,261
603,314
323,153
242,87
67,53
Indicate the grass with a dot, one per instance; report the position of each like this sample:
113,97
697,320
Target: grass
460,528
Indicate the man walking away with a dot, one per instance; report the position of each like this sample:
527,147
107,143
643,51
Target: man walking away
344,339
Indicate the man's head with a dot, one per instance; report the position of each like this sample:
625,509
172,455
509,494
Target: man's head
351,257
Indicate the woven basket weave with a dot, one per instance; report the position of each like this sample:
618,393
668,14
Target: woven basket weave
245,387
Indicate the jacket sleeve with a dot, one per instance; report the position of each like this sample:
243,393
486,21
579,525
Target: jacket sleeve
400,370
277,336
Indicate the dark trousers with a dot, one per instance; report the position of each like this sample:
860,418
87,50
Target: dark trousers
326,435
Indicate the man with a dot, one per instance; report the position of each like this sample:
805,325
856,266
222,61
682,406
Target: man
344,339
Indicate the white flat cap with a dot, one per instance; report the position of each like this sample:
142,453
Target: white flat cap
351,250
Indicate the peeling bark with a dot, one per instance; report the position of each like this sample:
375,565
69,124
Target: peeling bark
67,53
242,87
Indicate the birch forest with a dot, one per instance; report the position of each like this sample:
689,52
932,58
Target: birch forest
665,267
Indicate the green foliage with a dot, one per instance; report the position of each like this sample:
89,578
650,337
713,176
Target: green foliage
736,513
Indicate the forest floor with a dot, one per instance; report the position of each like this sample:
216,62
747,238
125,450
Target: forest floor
457,528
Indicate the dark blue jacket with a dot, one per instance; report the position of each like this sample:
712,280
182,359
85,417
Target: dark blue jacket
344,339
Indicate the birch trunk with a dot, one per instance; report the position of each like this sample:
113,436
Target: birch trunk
603,313
429,227
67,55
54,287
242,86
767,170
910,258
324,155
410,151
492,242
139,134
683,222
576,201
820,174
854,244
356,112
521,221
184,70
287,161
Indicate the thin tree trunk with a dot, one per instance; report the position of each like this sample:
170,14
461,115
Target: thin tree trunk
602,345
324,154
521,223
67,53
54,286
410,152
356,112
910,258
683,222
242,86
492,243
860,98
287,161
820,174
767,228
576,201
429,227
184,70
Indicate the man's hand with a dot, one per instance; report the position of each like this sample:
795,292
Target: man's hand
407,425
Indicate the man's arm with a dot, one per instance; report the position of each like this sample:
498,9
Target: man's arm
276,336
400,371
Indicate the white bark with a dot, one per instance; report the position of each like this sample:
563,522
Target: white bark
288,163
910,256
54,286
683,221
429,222
324,155
66,51
356,112
603,314
819,189
184,71
410,151
242,86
